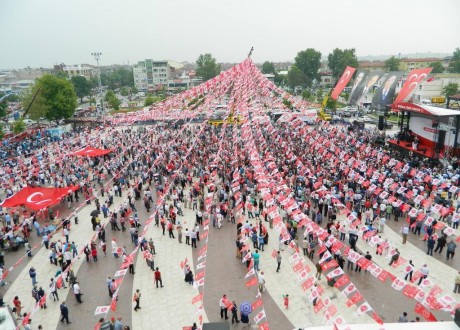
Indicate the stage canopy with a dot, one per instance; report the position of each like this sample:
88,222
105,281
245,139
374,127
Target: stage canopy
425,109
91,152
38,198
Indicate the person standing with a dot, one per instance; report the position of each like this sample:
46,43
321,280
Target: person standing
158,277
256,258
404,233
403,318
424,270
278,261
319,270
179,232
223,307
193,237
18,305
410,271
441,243
53,290
451,246
137,299
430,244
457,283
77,292
33,275
235,313
261,280
64,313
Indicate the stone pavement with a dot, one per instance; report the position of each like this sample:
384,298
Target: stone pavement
81,234
169,307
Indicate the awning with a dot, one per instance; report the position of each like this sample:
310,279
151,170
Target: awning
425,109
38,198
91,152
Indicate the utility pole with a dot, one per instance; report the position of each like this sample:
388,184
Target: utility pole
97,56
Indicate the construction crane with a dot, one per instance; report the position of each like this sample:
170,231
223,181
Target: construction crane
322,112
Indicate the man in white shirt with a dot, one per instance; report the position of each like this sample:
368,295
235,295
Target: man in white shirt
77,292
424,270
404,232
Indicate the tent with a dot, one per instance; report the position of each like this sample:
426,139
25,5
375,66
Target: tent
91,152
38,198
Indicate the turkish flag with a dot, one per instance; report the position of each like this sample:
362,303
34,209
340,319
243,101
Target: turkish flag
342,280
415,77
346,76
357,296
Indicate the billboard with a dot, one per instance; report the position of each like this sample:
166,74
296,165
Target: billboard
358,82
366,86
386,92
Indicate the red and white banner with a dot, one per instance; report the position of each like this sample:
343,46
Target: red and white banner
346,76
413,80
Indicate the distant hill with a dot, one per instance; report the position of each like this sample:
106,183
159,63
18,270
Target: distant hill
413,55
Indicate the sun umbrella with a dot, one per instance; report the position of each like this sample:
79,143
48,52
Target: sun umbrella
95,213
246,307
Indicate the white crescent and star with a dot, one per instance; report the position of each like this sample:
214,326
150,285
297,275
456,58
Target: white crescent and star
31,196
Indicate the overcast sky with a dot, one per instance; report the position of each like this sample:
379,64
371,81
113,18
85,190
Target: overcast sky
40,33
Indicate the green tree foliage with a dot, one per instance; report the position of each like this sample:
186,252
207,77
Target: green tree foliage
268,67
306,94
109,95
295,77
280,80
149,100
309,61
319,95
437,67
3,107
392,64
38,108
56,98
331,104
114,102
124,91
339,59
19,126
450,89
81,86
207,67
117,78
2,133
92,100
454,65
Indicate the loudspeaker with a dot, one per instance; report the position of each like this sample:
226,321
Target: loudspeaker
441,140
381,127
457,317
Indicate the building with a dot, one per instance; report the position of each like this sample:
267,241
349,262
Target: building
372,66
408,64
84,70
426,90
151,75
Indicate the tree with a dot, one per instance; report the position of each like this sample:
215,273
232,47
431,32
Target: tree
19,126
306,94
2,133
92,100
309,61
454,65
81,86
450,89
3,107
117,78
114,102
296,78
38,108
149,100
339,59
110,94
392,64
124,91
437,67
207,67
268,67
56,98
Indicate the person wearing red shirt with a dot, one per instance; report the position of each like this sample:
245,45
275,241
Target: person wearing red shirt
17,304
158,277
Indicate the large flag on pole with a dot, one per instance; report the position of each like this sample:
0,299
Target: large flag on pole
346,76
415,77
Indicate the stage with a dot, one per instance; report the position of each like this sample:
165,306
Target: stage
423,150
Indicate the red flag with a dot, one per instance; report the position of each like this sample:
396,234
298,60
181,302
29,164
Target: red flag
430,79
357,296
274,253
258,303
251,282
97,326
113,304
427,315
319,306
264,326
307,284
415,77
377,318
197,298
342,280
346,76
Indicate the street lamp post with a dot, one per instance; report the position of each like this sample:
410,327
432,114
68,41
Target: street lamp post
97,56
